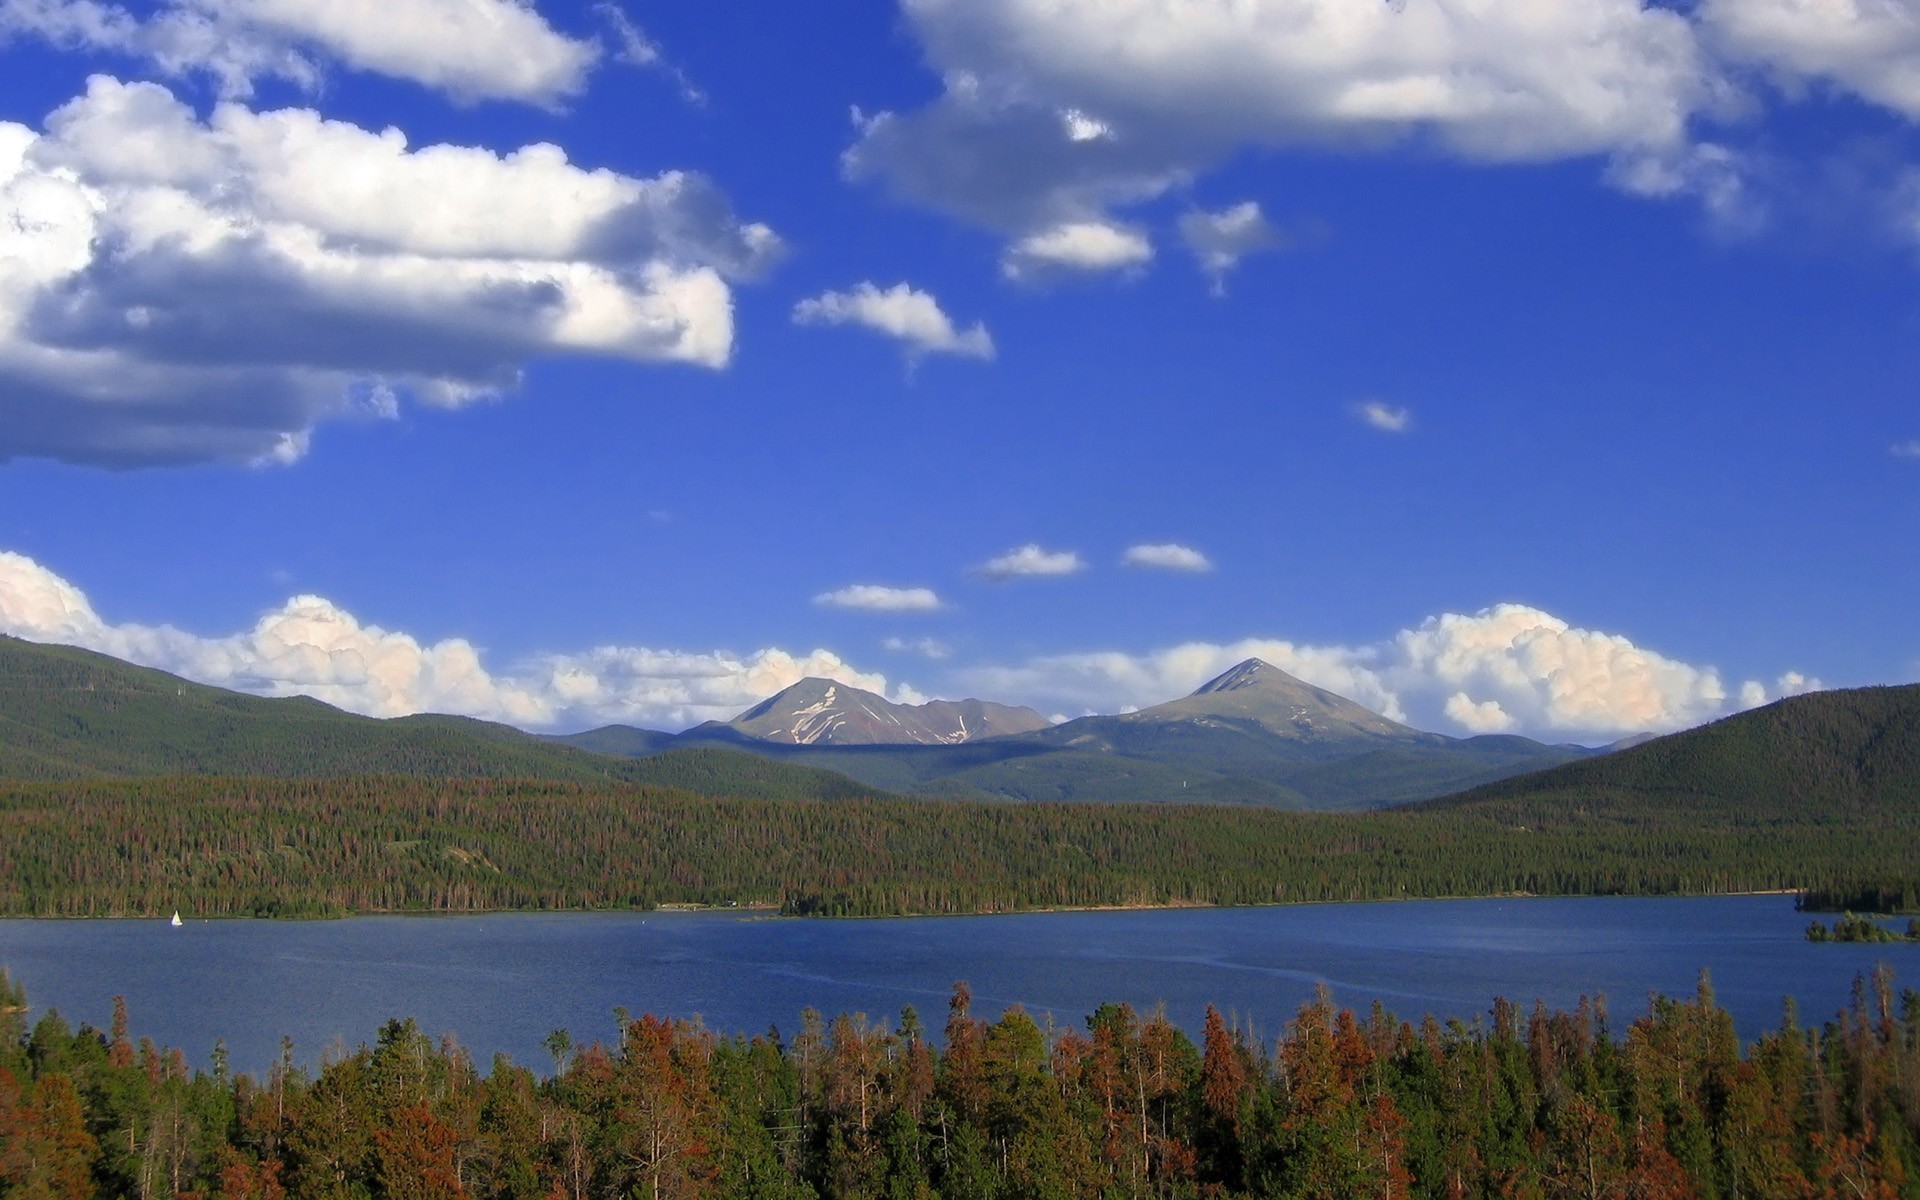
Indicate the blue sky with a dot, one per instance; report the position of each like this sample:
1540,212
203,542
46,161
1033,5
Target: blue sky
1553,372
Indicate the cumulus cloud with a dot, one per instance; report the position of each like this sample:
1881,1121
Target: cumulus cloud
1793,683
1907,449
180,290
1753,693
1219,240
312,647
1870,48
1506,668
1166,556
468,49
1384,417
1029,561
912,318
1510,667
1076,246
1485,716
873,597
1166,89
1550,675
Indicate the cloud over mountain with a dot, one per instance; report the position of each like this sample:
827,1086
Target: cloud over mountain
179,290
1506,668
309,646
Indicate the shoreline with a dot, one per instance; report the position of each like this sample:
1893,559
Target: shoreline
770,911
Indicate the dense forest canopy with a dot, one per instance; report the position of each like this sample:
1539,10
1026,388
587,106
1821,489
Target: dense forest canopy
211,846
1529,1104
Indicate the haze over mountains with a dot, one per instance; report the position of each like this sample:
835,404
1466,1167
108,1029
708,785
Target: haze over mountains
1254,735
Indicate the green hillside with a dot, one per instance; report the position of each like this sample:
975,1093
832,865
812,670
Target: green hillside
1841,761
68,714
1836,756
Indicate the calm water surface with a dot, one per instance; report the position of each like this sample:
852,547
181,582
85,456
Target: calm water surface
501,983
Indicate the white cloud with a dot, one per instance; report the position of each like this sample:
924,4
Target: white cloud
873,597
1550,675
1485,716
468,49
1793,683
1907,449
925,647
1219,240
1077,246
1531,672
1384,417
1868,47
1166,556
913,318
178,290
311,647
1753,693
1030,560
1083,128
1179,87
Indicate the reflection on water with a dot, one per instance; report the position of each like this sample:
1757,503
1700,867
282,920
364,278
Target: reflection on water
502,982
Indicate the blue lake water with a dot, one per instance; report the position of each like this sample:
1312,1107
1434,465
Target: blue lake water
502,982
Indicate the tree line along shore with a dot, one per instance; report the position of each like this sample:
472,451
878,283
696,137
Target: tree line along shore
211,846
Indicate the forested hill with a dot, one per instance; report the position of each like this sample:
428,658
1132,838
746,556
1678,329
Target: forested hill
1840,756
67,713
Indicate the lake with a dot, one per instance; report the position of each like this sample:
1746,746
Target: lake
502,982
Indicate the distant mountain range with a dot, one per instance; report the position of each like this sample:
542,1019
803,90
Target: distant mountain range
1254,735
67,713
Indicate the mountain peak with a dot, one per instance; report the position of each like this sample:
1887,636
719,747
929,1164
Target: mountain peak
1259,693
1254,672
826,712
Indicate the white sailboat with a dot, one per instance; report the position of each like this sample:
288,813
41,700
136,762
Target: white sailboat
176,919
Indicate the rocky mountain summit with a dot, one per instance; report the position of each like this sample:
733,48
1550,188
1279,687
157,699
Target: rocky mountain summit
824,712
